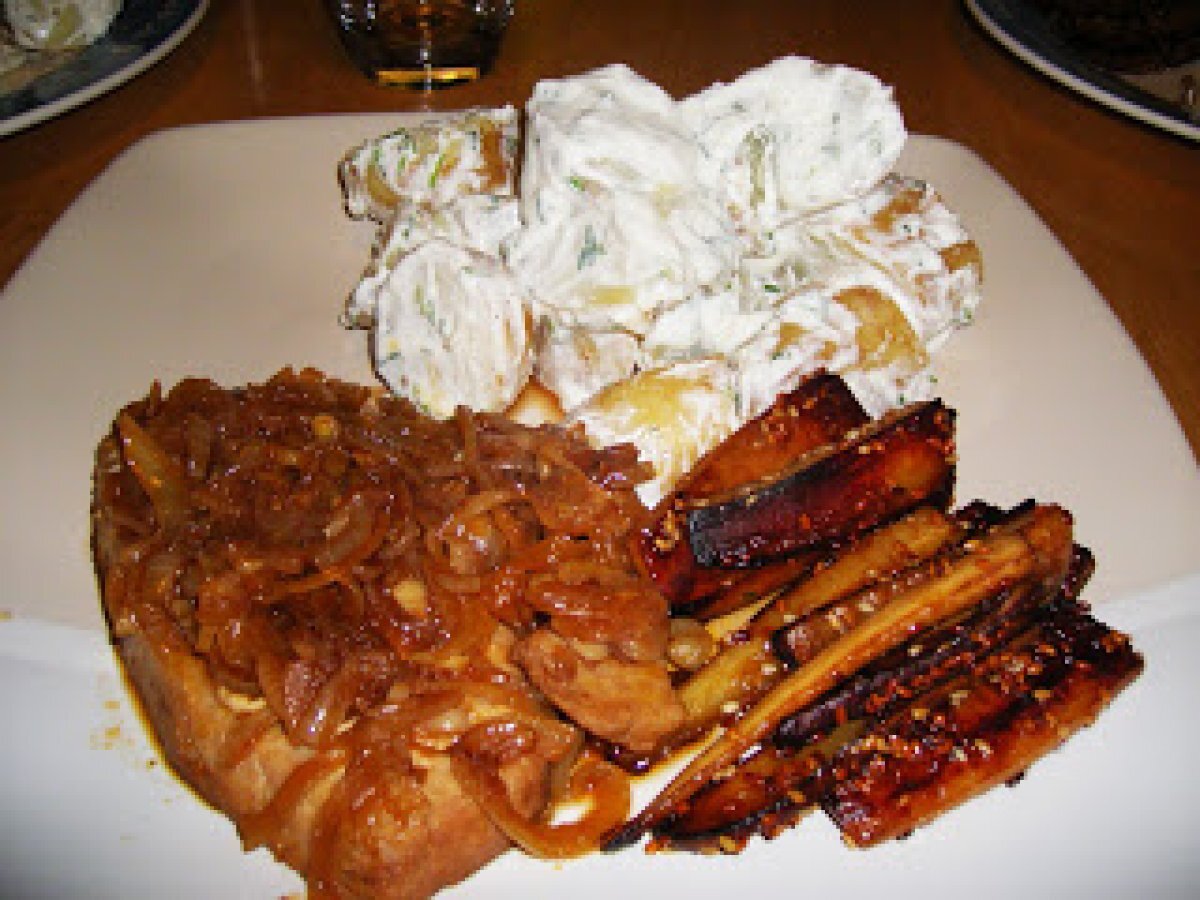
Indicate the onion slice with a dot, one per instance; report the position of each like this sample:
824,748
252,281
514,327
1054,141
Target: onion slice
603,785
157,473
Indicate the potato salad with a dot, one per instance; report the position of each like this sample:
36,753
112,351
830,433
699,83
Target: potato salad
664,268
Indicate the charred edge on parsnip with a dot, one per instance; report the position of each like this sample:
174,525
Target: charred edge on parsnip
769,792
916,667
819,412
879,472
747,665
943,653
735,589
979,515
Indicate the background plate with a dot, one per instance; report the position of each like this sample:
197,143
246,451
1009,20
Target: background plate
143,33
1023,32
223,251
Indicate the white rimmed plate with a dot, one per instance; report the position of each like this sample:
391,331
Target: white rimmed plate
223,251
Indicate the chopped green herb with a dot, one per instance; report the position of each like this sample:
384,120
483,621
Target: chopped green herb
437,168
424,304
404,148
591,248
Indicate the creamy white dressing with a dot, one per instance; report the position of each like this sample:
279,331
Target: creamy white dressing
575,363
706,324
59,24
477,222
812,328
616,226
452,329
889,241
794,136
933,297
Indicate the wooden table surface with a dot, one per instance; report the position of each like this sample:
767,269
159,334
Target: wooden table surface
1124,198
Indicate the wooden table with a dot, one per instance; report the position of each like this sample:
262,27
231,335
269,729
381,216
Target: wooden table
1123,198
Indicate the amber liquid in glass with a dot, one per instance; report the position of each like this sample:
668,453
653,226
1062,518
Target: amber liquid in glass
421,44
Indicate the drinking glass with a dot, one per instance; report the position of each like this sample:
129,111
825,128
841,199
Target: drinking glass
422,43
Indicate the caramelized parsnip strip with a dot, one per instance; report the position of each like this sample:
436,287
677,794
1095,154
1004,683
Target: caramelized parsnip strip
879,472
738,591
818,413
821,409
892,548
767,792
742,671
941,654
1039,550
980,730
736,674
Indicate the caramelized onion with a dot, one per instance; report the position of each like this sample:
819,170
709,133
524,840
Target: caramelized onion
265,827
350,532
158,473
603,786
364,575
323,716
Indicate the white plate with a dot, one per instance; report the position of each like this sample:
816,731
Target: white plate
143,33
1112,814
1022,31
223,251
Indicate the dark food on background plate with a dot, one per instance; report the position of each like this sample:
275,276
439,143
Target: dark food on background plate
1127,35
387,647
